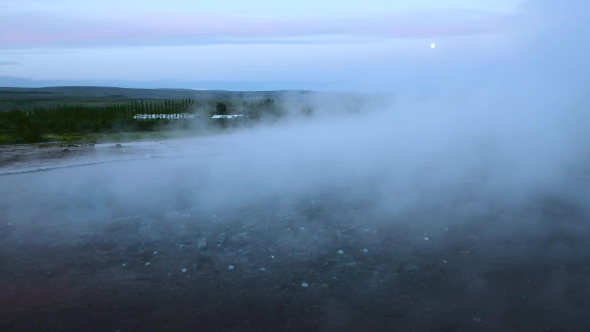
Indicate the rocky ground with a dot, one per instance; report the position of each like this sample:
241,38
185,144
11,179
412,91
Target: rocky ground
329,262
23,157
31,157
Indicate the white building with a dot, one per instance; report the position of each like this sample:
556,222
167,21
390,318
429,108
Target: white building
229,116
174,116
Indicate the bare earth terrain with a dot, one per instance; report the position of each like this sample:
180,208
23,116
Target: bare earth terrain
31,157
107,247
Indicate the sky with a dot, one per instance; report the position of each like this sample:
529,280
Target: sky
261,40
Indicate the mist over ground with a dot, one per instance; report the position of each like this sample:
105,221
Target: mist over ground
479,188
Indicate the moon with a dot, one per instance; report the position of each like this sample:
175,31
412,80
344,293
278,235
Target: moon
432,45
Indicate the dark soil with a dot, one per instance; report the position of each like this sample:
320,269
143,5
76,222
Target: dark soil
362,272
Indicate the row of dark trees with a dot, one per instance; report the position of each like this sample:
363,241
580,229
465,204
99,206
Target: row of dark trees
29,125
253,109
262,108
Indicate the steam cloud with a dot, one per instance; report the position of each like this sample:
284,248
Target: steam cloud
498,148
488,143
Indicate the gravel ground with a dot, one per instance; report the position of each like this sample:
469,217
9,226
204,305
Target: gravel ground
32,157
323,261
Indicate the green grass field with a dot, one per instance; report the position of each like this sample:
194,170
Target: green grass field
106,114
102,114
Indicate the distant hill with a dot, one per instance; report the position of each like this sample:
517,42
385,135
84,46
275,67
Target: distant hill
35,97
96,91
20,82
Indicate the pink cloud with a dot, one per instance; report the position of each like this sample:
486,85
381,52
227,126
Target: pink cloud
39,29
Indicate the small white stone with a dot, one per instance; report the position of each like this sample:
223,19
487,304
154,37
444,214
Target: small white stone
148,263
183,270
444,261
262,269
231,267
302,228
124,265
365,250
273,257
304,284
340,252
155,252
425,239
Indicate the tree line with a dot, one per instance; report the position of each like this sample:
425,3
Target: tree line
29,125
258,109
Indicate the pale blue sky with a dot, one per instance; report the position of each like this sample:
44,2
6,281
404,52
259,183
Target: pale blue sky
260,39
260,8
